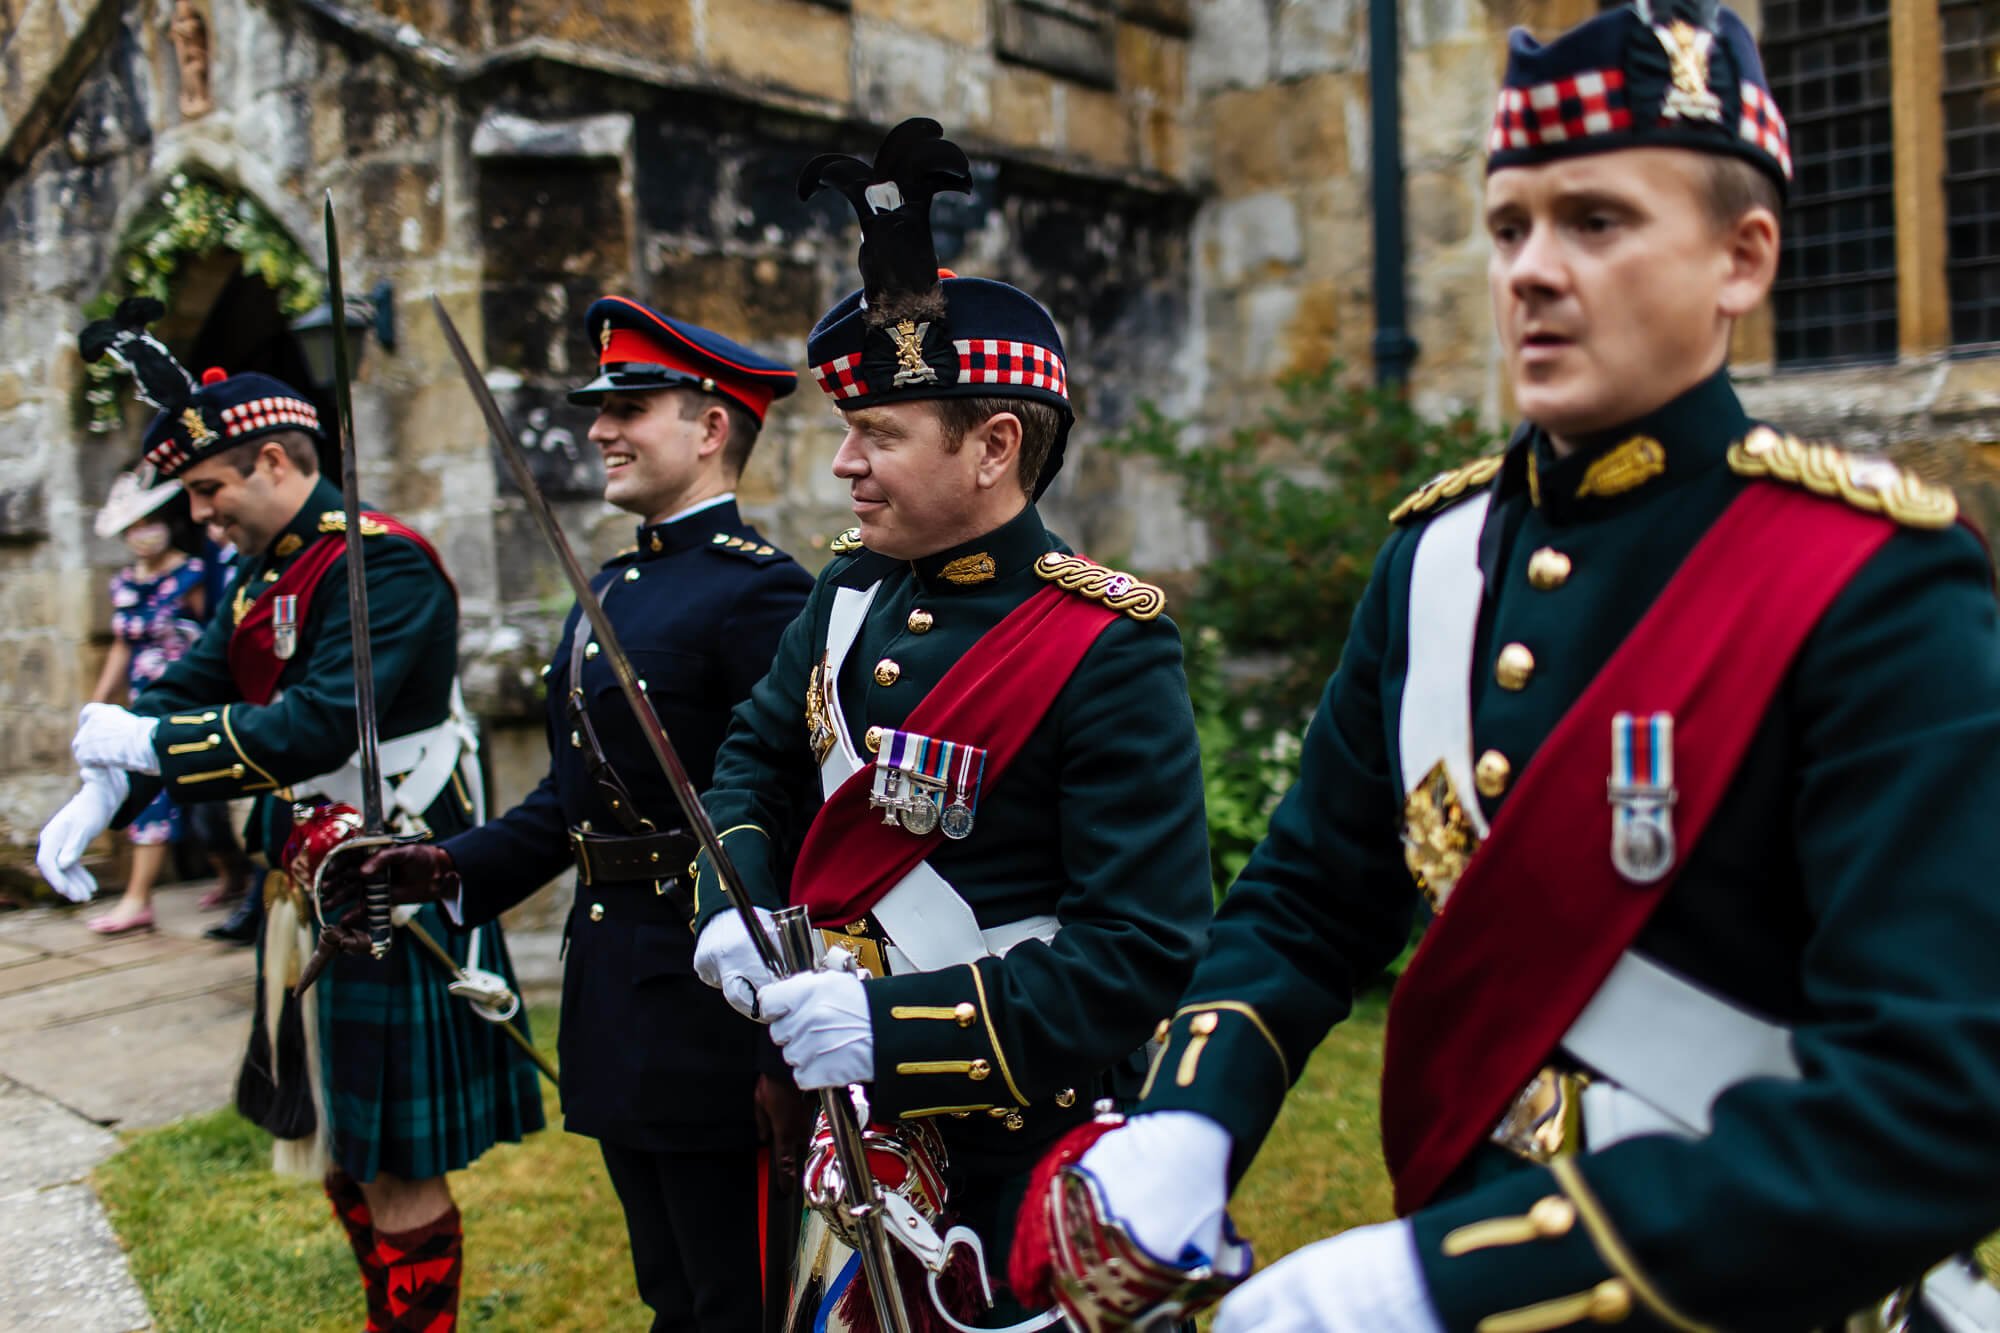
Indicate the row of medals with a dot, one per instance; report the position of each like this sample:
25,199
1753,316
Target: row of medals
922,807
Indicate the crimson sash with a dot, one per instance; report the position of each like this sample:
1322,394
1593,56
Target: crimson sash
995,695
1540,916
253,657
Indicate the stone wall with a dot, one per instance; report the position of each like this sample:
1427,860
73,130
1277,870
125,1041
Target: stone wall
516,159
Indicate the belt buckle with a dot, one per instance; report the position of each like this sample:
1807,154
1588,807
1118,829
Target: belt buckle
1545,1119
868,953
579,853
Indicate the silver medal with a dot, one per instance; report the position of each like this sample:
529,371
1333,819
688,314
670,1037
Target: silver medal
957,820
920,816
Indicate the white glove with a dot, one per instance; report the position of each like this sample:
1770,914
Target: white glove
1165,1175
1363,1281
820,1019
69,832
725,958
114,737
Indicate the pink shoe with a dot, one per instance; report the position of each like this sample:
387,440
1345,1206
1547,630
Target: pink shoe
111,925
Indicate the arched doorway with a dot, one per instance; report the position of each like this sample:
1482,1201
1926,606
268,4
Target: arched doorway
232,280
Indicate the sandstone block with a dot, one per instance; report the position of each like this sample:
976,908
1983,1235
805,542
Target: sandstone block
900,72
1318,38
401,209
750,298
1280,134
962,24
1448,94
1252,236
1152,64
1231,46
658,30
1022,108
1438,210
787,43
1098,126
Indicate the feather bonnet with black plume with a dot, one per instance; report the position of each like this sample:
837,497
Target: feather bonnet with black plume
892,198
162,381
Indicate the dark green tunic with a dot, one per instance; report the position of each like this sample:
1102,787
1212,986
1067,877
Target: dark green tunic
1843,888
417,1084
1098,822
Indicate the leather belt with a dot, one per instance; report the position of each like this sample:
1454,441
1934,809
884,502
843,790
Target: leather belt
603,858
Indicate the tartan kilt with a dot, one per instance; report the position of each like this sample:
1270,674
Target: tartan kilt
415,1083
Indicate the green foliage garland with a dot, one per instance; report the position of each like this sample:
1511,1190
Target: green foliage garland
193,218
1294,505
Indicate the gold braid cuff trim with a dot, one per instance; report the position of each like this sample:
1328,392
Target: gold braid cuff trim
1449,486
847,543
243,754
1872,485
1609,1302
1256,1021
1117,590
993,1036
694,866
1611,1247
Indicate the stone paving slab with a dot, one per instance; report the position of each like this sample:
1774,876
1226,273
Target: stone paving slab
16,953
42,971
64,1267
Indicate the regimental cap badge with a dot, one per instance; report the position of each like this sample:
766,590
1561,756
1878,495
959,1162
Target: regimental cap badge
199,435
1687,49
911,368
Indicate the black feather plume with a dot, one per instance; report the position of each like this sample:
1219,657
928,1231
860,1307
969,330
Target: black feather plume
162,381
892,198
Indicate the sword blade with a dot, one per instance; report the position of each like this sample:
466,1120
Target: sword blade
380,930
657,740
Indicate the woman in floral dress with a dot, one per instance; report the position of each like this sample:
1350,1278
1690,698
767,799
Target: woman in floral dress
156,613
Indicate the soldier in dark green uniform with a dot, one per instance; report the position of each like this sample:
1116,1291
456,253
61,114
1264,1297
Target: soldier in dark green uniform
982,742
410,1085
1689,730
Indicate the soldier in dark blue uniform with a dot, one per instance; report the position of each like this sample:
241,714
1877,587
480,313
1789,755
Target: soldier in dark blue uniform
655,1065
410,1084
1689,730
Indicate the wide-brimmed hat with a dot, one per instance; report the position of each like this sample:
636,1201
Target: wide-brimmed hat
130,501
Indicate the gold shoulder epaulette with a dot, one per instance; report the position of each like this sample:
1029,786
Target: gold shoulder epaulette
1448,486
1119,591
1869,483
333,520
847,543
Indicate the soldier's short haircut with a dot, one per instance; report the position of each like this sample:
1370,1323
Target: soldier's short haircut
743,427
1734,187
298,447
1040,424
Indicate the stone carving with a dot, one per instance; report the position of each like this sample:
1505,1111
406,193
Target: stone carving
190,33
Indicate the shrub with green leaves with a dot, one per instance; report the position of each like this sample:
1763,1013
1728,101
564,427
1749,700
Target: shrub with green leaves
1294,505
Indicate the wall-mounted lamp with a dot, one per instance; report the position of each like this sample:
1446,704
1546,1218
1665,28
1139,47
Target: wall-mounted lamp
314,330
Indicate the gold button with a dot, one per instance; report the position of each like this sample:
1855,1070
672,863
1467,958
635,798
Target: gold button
1204,1023
1014,1120
1515,665
921,621
872,738
1548,568
1491,773
591,649
585,826
1066,1098
657,544
887,672
966,1013
979,1072
652,856
1610,1302
1552,1216
632,575
576,740
597,911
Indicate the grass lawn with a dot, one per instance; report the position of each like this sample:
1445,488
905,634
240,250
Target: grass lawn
219,1243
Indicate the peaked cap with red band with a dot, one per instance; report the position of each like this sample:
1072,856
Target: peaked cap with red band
639,349
966,337
195,421
1667,74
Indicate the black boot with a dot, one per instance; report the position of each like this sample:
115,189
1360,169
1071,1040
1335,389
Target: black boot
243,923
